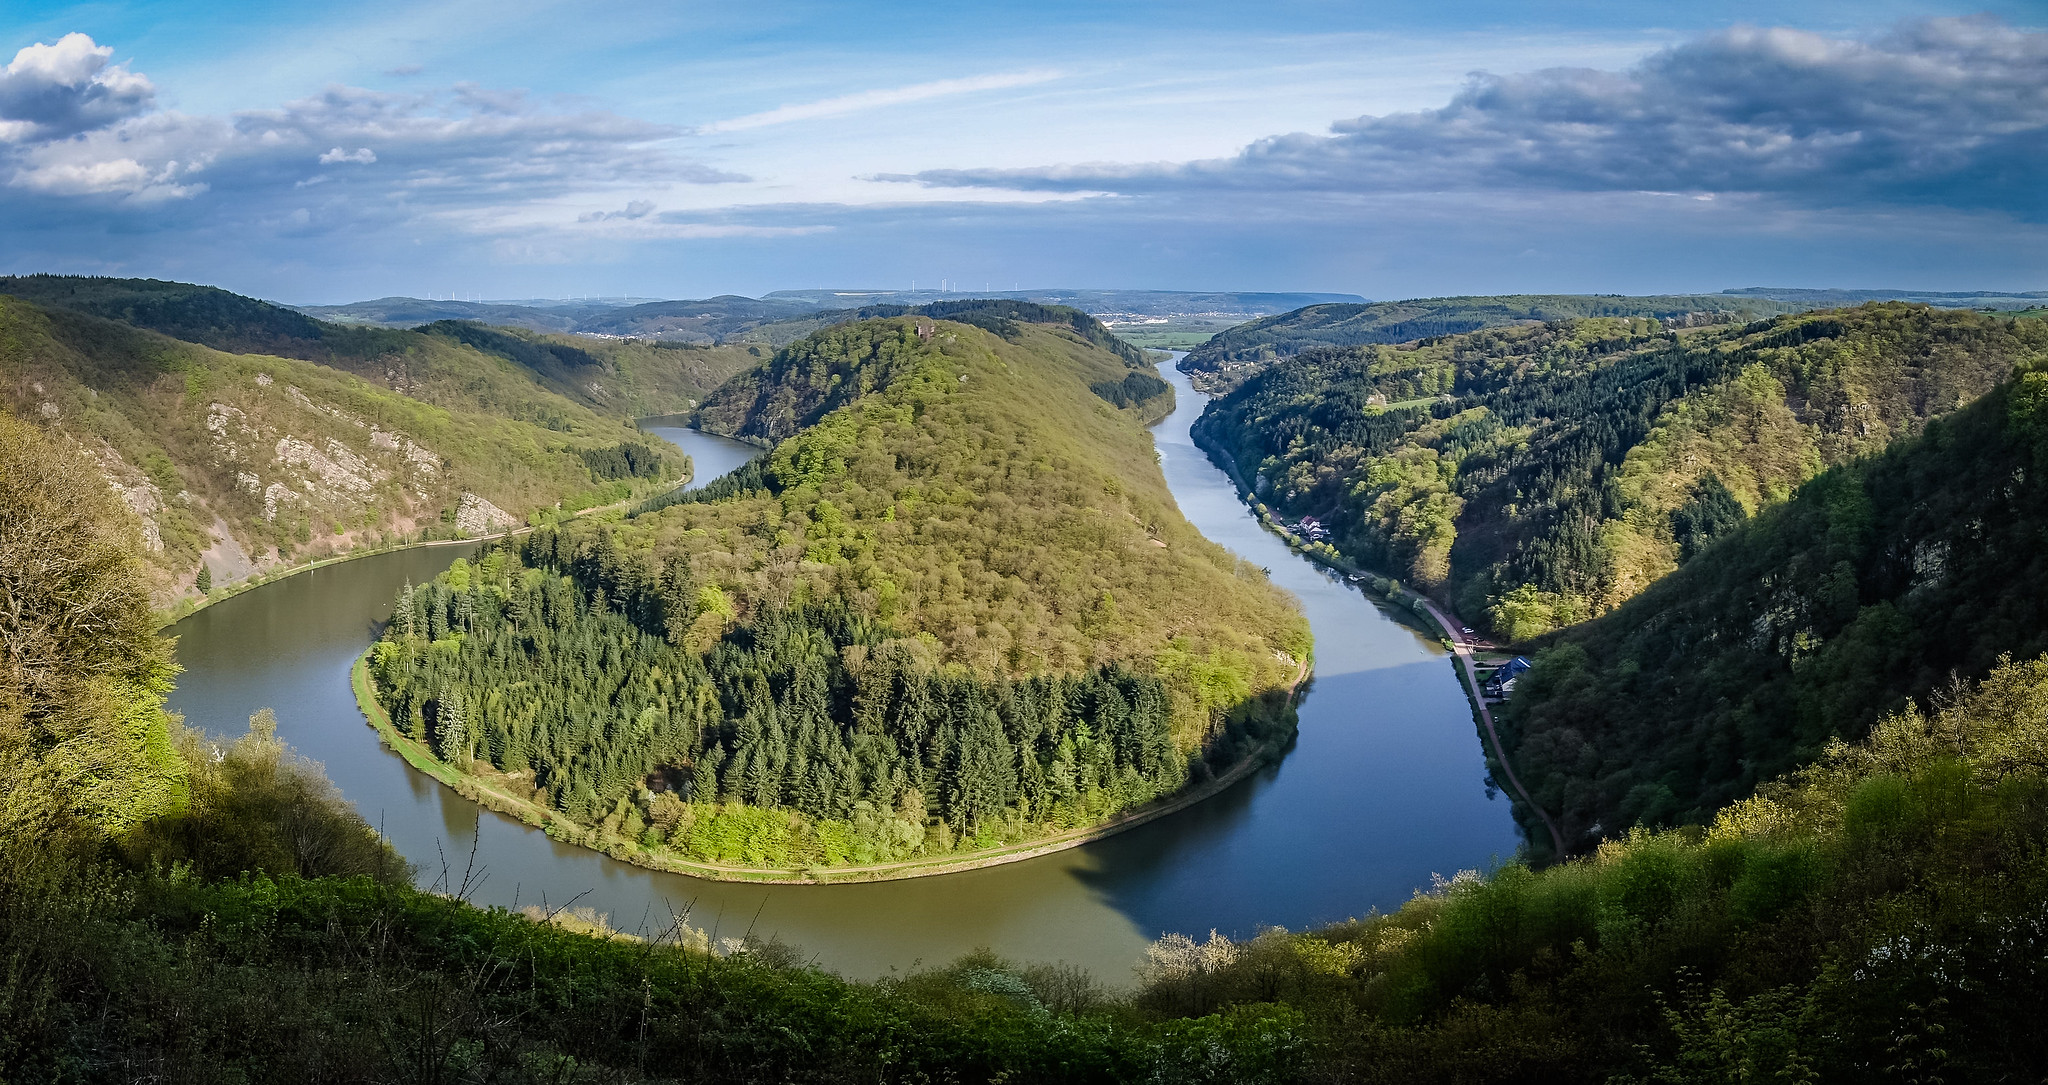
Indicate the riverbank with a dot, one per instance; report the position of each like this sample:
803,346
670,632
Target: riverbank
178,613
479,790
1389,590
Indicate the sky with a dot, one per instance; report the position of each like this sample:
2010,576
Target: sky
319,153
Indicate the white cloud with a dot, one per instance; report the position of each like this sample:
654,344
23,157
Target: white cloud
361,155
881,99
57,91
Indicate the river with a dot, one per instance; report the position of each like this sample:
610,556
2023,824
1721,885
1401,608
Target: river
1384,789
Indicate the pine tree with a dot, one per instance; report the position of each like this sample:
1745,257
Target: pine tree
451,730
205,581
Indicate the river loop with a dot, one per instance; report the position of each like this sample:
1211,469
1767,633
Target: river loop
1384,789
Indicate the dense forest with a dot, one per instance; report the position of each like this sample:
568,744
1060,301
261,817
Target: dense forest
1230,356
559,670
1536,476
1889,578
179,908
952,607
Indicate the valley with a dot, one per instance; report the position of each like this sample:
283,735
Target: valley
1294,844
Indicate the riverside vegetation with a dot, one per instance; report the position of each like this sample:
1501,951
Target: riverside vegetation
171,908
952,607
1536,476
248,438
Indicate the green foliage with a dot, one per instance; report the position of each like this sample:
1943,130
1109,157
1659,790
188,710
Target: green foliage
865,646
282,451
84,742
1711,511
1874,917
1135,390
256,806
1544,474
1229,356
627,459
1876,582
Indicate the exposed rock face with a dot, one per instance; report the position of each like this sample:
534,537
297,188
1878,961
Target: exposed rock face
136,491
338,467
476,516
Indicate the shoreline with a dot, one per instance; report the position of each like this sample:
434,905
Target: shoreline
171,617
1461,660
479,791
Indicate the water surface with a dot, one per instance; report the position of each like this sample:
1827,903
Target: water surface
1385,787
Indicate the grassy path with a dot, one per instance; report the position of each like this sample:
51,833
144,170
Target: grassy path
480,791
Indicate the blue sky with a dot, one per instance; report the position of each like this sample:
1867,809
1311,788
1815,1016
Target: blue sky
518,148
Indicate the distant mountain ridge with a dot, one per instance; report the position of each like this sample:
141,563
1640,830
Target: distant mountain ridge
731,317
1945,299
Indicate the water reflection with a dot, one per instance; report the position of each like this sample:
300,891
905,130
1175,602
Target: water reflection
1382,790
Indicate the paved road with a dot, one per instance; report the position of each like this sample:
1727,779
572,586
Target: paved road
1500,753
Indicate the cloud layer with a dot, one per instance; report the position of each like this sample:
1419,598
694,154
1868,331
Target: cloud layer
73,124
1949,113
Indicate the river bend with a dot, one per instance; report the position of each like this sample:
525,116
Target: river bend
1384,788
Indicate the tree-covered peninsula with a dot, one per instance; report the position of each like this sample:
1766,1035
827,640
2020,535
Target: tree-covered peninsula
178,907
953,607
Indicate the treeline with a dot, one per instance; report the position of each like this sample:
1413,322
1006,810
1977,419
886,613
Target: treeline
627,459
529,350
1537,476
1002,316
1352,325
812,377
562,667
1878,581
1136,389
749,477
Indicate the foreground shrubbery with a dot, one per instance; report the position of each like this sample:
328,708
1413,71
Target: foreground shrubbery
1882,915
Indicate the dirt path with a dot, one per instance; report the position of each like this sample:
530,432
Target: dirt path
1470,674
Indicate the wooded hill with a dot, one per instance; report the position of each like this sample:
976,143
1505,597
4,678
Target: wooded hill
954,606
168,901
1231,355
263,460
513,372
1892,577
1537,476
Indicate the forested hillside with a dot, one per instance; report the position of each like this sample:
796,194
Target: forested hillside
173,906
954,606
1223,362
1886,579
1536,476
462,365
256,461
